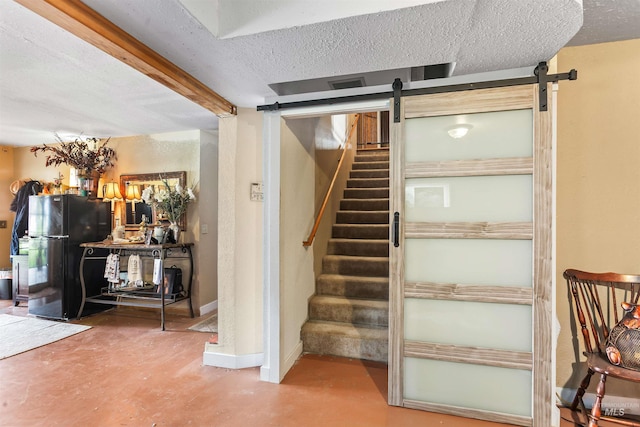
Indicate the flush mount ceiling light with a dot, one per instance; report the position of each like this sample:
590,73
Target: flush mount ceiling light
458,131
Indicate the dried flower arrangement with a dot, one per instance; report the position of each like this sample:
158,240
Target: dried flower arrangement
85,155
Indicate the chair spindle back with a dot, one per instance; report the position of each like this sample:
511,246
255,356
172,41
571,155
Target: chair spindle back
597,298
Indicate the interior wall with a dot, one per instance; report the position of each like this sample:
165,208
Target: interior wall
6,178
239,243
249,225
297,210
598,185
208,217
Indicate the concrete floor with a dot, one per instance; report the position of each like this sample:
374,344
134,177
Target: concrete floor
125,371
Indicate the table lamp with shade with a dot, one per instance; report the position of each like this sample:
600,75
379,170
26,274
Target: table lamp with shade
112,194
133,195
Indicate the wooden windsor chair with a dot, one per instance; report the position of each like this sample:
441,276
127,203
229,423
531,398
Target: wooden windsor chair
597,299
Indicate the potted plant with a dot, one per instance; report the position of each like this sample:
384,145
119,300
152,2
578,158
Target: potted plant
90,156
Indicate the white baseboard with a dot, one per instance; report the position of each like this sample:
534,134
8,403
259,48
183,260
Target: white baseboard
265,375
619,405
232,361
291,359
208,308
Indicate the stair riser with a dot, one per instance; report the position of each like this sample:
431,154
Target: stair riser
366,193
368,183
365,268
352,289
371,158
357,348
348,231
349,314
357,247
364,205
370,165
370,217
369,173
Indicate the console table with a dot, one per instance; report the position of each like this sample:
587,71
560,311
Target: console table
179,253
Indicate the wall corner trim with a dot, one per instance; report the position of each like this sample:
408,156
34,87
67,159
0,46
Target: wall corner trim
232,361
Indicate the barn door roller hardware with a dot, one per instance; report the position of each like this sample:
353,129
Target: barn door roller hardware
540,77
397,94
543,78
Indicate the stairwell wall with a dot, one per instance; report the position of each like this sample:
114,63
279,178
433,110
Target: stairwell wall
309,156
297,203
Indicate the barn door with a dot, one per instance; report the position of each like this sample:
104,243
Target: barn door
470,308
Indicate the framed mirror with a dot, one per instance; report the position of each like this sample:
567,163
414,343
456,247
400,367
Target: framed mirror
132,187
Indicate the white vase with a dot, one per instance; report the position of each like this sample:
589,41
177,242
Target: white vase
175,230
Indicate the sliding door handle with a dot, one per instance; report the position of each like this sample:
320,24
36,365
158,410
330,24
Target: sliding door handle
395,230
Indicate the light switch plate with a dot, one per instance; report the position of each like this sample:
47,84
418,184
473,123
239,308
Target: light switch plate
256,194
3,224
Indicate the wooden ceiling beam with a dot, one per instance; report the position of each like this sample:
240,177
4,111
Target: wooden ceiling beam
87,24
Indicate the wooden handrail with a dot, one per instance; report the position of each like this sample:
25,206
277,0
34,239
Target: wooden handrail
314,230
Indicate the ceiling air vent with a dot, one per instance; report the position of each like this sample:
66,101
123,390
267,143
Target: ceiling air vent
364,79
427,72
347,84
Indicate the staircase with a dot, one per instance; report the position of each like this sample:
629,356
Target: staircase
349,314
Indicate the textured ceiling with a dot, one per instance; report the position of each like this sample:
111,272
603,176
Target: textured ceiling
51,81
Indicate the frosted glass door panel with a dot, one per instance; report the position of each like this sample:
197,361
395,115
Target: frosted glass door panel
471,324
470,386
471,261
501,134
469,199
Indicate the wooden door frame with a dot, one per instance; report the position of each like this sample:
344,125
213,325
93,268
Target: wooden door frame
542,289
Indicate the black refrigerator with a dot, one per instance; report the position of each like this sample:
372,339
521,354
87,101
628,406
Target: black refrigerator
57,226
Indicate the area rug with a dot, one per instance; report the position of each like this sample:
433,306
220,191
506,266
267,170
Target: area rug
209,324
19,334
